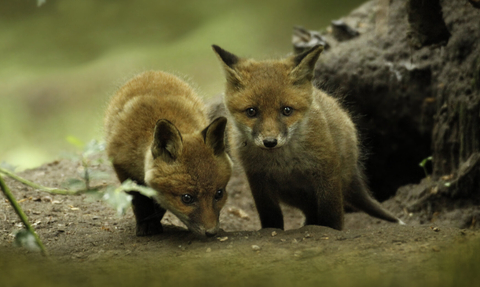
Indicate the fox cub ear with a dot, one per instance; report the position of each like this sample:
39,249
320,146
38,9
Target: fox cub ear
304,65
229,61
214,135
167,141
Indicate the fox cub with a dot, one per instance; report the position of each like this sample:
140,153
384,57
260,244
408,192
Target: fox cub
295,143
157,135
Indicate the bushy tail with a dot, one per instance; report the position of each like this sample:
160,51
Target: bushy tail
358,196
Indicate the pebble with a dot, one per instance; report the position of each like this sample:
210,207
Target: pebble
256,248
222,239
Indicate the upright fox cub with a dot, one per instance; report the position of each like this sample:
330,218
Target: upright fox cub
295,143
157,134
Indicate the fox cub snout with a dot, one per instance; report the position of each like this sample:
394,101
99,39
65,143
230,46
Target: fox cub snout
157,134
269,125
295,143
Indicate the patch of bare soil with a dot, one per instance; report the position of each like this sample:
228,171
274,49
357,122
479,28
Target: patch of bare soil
90,245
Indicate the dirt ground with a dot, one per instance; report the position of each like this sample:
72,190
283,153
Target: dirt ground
90,245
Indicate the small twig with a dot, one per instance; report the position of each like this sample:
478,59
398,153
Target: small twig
86,174
40,187
21,214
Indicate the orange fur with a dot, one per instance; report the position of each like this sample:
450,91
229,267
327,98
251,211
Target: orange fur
157,134
295,143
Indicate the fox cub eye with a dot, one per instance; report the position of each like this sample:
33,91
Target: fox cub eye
251,112
187,199
287,111
219,194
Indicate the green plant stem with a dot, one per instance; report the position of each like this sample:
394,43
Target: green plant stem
21,214
40,187
425,170
86,174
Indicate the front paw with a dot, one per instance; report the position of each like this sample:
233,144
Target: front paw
149,227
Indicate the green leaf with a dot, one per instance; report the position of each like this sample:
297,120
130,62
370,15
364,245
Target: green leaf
424,162
97,174
129,185
74,184
93,147
118,199
75,141
26,239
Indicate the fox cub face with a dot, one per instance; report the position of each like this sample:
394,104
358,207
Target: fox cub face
190,174
269,100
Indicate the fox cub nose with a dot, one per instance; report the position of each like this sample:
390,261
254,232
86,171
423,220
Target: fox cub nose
270,143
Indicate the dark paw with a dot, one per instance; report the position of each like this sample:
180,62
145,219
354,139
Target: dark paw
148,228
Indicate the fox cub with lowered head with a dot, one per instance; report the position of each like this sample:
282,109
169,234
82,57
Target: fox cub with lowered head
295,143
157,135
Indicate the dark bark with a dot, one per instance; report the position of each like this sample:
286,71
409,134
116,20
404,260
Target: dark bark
426,23
412,103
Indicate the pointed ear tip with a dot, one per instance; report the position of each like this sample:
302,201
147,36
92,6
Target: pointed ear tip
162,122
216,48
318,48
164,125
220,122
222,119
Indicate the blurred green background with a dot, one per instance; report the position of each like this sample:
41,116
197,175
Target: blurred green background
60,63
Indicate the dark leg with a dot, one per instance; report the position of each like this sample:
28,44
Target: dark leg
330,211
147,214
266,202
326,209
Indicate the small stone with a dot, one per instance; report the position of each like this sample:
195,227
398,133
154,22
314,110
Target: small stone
274,233
283,240
256,248
238,212
47,199
209,249
307,235
73,207
222,239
